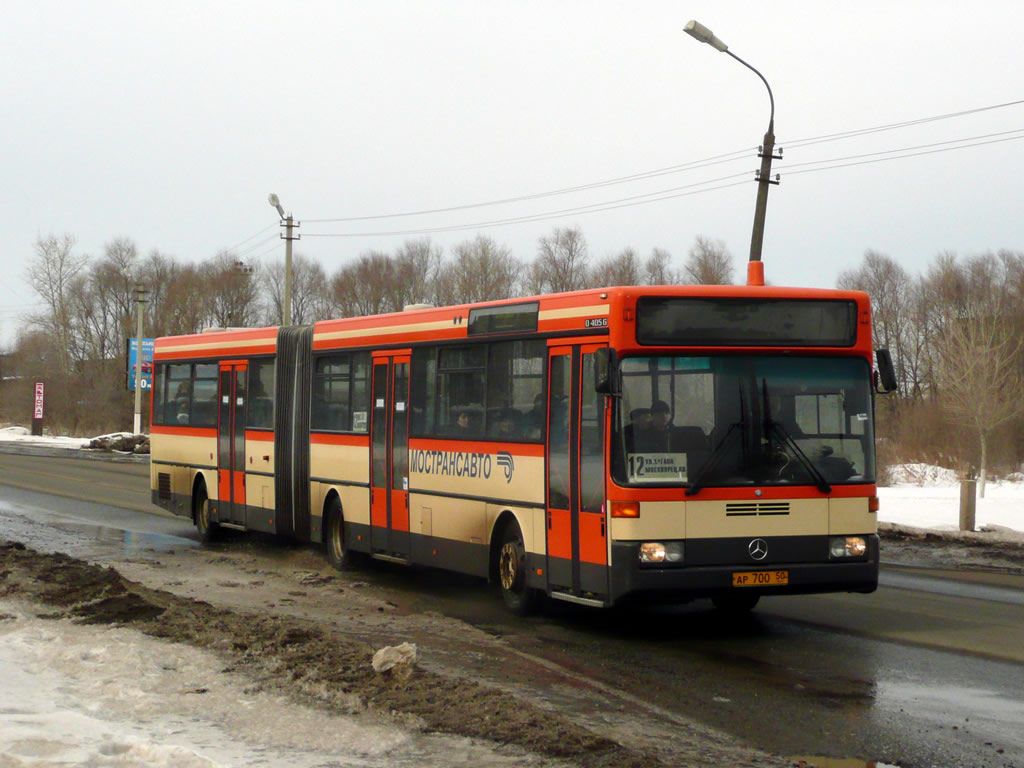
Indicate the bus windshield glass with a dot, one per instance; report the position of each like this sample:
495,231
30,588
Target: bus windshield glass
702,421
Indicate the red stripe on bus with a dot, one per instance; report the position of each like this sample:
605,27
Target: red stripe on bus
214,352
476,446
323,439
189,431
744,494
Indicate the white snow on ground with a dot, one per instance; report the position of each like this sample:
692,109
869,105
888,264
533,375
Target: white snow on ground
100,696
924,496
25,437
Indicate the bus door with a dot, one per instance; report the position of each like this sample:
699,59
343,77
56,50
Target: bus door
577,541
389,455
231,443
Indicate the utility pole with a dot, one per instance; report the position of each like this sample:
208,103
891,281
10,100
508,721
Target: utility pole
286,302
755,270
140,300
289,224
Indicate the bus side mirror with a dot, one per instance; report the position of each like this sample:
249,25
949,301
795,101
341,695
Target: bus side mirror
604,371
886,374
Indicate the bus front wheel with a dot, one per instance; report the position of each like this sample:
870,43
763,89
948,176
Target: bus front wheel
519,598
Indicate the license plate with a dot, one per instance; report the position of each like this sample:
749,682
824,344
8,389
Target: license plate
759,578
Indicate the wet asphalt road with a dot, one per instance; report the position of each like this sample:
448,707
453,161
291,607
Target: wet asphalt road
928,671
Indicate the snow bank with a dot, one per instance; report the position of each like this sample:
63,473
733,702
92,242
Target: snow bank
925,496
922,474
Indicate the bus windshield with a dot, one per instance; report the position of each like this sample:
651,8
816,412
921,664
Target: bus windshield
734,420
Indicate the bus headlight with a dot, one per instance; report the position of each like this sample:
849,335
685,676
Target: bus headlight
657,552
840,547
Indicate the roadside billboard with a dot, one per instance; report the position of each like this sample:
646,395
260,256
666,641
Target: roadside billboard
131,359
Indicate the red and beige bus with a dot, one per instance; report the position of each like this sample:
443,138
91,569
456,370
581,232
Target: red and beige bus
664,443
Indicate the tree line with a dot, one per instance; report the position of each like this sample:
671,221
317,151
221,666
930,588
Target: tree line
75,339
956,335
955,332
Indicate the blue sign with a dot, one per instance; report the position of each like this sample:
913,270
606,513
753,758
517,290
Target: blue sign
147,364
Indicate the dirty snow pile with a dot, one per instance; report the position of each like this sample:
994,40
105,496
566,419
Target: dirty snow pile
25,436
121,442
926,496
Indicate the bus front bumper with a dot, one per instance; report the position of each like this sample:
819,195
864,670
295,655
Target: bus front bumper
796,565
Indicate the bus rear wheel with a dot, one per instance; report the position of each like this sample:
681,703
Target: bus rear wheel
519,598
208,531
335,548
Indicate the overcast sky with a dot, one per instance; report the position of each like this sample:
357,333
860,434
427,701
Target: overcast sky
170,123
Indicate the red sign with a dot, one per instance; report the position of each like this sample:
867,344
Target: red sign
37,413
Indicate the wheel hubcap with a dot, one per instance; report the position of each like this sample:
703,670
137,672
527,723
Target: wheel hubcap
508,565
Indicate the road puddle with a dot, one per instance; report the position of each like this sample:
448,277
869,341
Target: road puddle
980,711
49,532
839,762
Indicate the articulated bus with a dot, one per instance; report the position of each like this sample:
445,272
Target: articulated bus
655,443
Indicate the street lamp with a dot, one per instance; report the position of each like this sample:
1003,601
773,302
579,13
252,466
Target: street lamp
286,302
755,270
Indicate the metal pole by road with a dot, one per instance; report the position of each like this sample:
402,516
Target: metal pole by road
767,153
289,223
286,303
140,299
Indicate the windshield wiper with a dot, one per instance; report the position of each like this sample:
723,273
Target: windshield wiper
787,440
713,460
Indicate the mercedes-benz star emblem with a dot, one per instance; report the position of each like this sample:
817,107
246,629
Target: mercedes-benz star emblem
758,549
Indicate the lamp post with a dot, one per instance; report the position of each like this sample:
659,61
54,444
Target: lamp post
289,224
755,274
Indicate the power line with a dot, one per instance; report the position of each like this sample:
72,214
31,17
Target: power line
893,126
694,165
637,199
906,149
237,245
678,168
595,208
260,244
910,154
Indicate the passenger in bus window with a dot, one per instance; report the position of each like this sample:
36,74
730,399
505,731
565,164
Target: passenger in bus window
506,424
639,424
654,435
181,398
463,425
533,421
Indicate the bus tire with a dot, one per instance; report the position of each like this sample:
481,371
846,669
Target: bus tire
735,604
208,531
519,598
336,549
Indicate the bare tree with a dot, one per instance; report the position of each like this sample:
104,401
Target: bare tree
894,295
709,262
416,265
232,291
51,274
310,296
561,262
157,273
623,268
658,268
978,352
479,270
364,287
